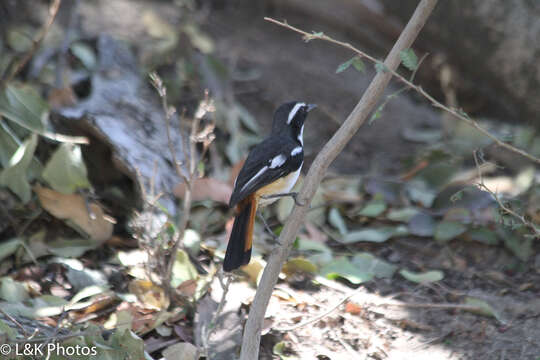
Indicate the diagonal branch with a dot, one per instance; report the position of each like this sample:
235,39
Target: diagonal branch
456,112
36,42
252,331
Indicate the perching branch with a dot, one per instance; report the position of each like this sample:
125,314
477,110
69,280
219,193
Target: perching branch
252,331
456,112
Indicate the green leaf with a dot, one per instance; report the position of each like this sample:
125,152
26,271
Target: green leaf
336,220
356,62
377,235
359,64
344,66
9,247
12,291
402,215
299,265
421,225
484,308
9,143
65,171
420,192
24,106
14,175
374,208
409,59
342,267
380,67
19,37
370,264
183,269
320,253
6,331
519,245
422,278
428,136
85,54
377,113
482,235
70,248
447,230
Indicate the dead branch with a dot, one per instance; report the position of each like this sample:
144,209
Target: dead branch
252,331
535,231
53,11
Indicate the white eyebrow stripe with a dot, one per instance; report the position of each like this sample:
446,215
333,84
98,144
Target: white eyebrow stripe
277,161
296,150
294,111
259,173
301,136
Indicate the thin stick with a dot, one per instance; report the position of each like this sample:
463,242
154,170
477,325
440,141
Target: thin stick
456,112
482,186
252,331
212,325
53,11
323,315
14,321
186,206
444,306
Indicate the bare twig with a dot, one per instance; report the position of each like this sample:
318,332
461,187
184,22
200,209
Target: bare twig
13,320
456,112
53,11
324,314
444,306
252,332
482,186
353,353
208,331
186,207
187,175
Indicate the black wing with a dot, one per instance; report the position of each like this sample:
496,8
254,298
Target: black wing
258,171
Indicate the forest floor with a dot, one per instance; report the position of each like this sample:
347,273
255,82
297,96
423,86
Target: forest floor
403,255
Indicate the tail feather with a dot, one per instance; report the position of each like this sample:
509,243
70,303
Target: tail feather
239,246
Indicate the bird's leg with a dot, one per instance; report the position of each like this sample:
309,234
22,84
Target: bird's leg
294,195
268,229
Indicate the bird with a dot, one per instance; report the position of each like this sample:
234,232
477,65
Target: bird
269,172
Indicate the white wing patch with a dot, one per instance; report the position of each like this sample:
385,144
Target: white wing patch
277,161
259,173
301,136
296,150
294,111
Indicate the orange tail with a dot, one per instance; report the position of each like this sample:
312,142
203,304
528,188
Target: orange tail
239,247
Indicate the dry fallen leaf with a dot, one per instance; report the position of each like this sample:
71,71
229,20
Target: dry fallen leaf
150,295
206,188
353,308
59,98
188,288
72,207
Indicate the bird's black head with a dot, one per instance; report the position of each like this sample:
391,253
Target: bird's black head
289,119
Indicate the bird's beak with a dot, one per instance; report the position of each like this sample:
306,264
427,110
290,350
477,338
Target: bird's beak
311,107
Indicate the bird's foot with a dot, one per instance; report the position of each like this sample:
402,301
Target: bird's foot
293,195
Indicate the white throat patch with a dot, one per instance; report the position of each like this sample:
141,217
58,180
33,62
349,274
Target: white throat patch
294,111
301,136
